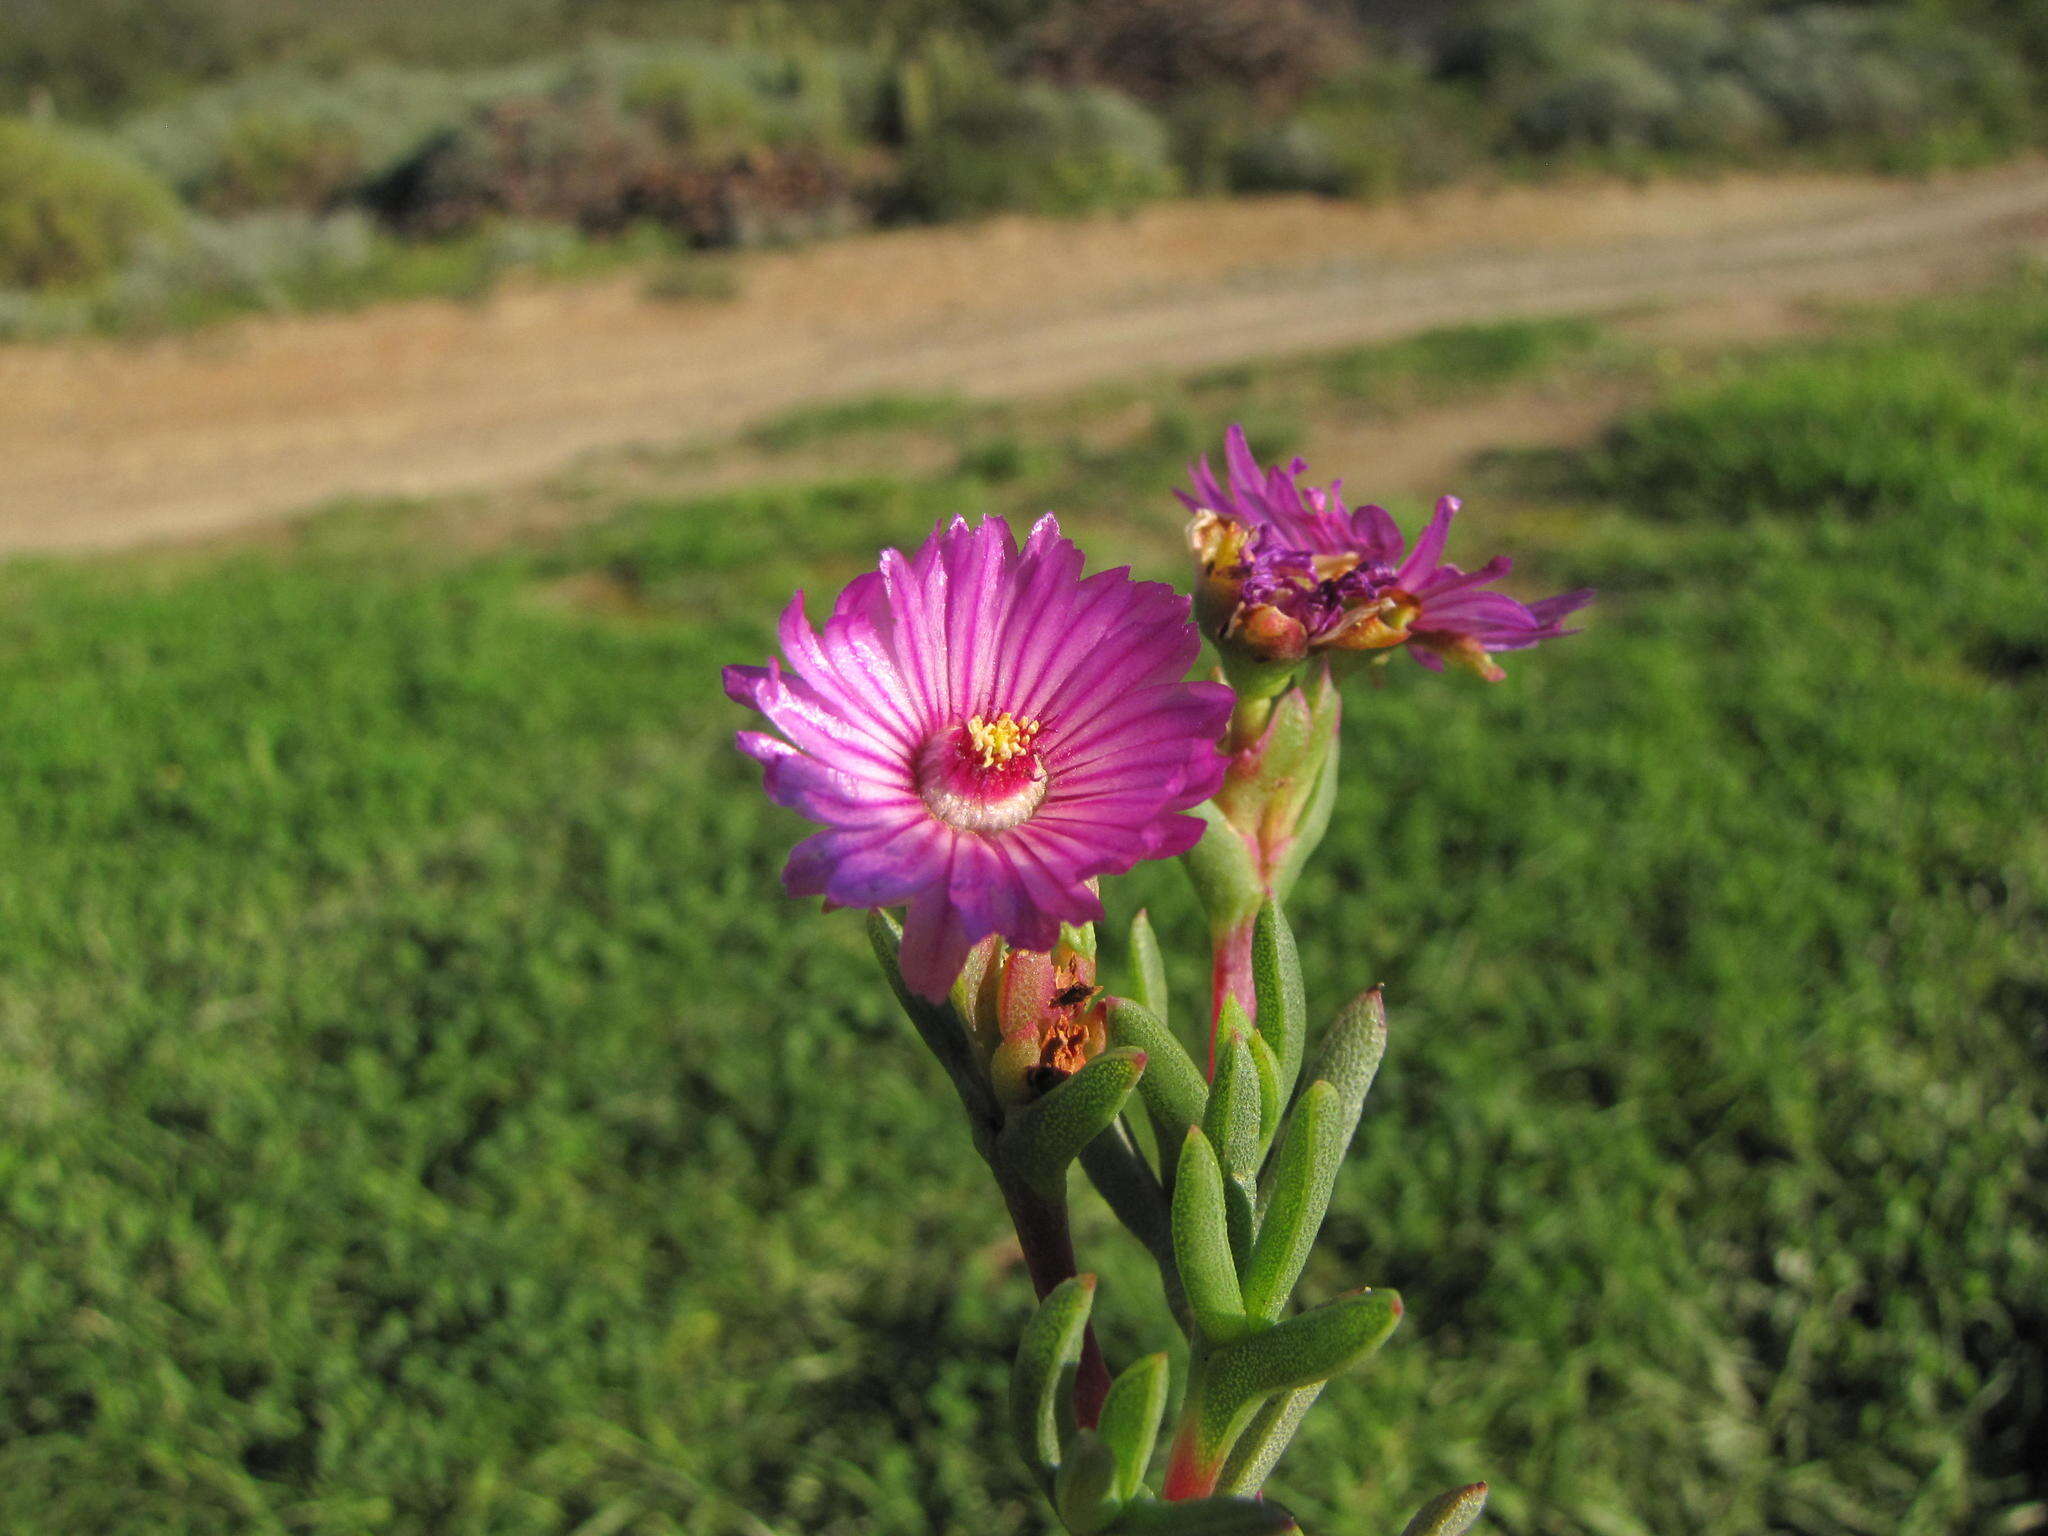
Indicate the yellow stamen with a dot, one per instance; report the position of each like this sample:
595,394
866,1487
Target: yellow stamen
1001,740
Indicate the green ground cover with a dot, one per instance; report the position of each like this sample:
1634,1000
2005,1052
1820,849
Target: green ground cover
423,1115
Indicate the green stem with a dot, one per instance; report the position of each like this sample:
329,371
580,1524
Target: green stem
1048,1244
1230,975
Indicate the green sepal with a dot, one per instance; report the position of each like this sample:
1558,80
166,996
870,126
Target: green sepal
1259,1448
941,1030
981,968
1080,939
1253,679
1205,1517
1271,1098
1225,878
1084,1488
1306,1349
1044,1137
1172,1088
1348,1056
1148,970
1297,1195
1201,1241
1276,983
1449,1514
1047,1357
1130,1419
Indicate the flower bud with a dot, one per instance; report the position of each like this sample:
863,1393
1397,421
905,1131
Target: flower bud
1269,635
1038,1018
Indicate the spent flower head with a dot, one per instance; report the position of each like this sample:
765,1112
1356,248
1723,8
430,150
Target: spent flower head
1287,569
982,731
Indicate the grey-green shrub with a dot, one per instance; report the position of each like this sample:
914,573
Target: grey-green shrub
72,207
1596,74
257,261
207,143
1039,149
1372,132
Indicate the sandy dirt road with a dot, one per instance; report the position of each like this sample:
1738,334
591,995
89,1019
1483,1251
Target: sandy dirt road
111,444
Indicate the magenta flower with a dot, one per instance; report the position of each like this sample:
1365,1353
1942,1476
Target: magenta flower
1287,570
982,732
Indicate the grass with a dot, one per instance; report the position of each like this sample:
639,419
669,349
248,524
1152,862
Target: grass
426,1116
811,424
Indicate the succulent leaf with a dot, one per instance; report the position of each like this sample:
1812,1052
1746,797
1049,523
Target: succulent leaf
1231,1121
1306,1349
1226,879
1201,1241
1276,982
1130,1419
1047,1355
1348,1055
1172,1088
1084,1489
1044,1137
1148,970
1449,1514
1304,1172
1271,1097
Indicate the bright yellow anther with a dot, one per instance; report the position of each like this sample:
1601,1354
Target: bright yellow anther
1001,740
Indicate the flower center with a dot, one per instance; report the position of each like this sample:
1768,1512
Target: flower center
983,775
1001,740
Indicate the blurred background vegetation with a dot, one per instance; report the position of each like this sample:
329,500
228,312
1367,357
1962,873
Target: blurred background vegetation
166,161
425,1115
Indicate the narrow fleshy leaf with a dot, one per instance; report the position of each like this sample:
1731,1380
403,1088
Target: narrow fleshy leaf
1449,1514
941,1030
1084,1490
1225,879
1173,1090
1130,1419
1148,970
1080,939
1205,1517
1046,1359
1271,1097
1276,982
1232,1126
1298,1193
1303,1351
1348,1056
1231,1121
1259,1449
1044,1137
1201,1241
1310,1347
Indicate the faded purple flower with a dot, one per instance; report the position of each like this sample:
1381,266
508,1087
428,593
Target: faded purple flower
982,732
1454,619
1287,569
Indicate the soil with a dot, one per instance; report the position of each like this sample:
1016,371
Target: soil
108,444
